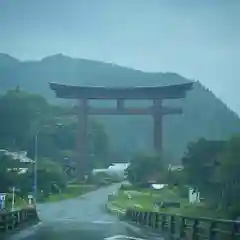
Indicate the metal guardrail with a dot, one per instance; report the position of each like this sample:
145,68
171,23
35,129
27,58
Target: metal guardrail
189,228
17,218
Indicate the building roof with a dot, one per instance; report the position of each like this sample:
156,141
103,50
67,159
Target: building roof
138,92
17,156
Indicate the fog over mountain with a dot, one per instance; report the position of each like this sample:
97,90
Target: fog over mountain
204,114
196,39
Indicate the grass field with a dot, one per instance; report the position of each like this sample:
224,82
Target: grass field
19,203
73,190
146,198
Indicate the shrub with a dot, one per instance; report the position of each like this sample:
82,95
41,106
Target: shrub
183,191
126,186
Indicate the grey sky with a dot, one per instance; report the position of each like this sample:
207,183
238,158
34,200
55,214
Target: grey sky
197,39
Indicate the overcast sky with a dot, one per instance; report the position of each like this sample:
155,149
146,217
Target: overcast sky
199,39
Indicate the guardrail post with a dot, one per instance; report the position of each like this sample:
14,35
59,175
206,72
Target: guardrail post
142,217
5,222
139,218
1,222
211,231
178,227
128,214
150,219
235,229
17,218
22,215
171,227
163,222
134,216
14,219
195,229
11,220
156,220
145,218
182,227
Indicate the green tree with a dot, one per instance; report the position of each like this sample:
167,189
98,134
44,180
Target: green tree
175,178
9,173
227,174
98,145
200,160
212,168
144,167
18,111
23,115
50,174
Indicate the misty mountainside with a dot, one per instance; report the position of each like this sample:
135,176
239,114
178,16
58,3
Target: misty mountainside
204,115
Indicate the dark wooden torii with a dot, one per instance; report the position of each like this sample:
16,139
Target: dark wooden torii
120,94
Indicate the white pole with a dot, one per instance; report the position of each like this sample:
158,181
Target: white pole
35,166
1,201
13,197
36,162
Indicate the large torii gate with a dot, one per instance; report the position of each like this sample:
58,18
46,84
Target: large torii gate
157,94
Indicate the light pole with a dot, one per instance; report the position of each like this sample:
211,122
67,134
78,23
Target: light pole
35,164
36,161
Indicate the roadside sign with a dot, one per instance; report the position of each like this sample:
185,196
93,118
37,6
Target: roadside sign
2,200
30,199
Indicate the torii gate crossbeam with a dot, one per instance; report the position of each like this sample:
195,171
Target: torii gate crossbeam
157,110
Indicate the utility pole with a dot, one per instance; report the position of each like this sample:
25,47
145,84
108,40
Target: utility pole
35,165
36,161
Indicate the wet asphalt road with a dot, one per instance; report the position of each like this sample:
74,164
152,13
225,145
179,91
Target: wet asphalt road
81,218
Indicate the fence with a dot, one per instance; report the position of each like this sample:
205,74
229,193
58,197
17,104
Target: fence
189,228
17,219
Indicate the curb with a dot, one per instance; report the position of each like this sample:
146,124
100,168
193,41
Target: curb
147,232
114,210
14,221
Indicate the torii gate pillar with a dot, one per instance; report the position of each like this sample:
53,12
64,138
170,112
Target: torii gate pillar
157,111
82,138
157,126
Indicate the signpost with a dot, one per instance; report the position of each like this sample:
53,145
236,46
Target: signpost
2,201
30,199
193,196
13,198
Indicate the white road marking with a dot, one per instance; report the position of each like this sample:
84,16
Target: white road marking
122,237
103,222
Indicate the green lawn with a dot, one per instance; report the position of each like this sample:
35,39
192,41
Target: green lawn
73,190
144,200
19,203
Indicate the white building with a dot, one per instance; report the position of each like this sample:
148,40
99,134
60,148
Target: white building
115,170
19,157
193,196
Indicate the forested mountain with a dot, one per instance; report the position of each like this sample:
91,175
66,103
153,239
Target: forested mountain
204,114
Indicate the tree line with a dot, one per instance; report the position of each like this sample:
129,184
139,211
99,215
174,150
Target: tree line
212,168
209,167
24,115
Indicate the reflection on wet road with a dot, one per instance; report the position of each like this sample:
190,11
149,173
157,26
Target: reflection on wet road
81,218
